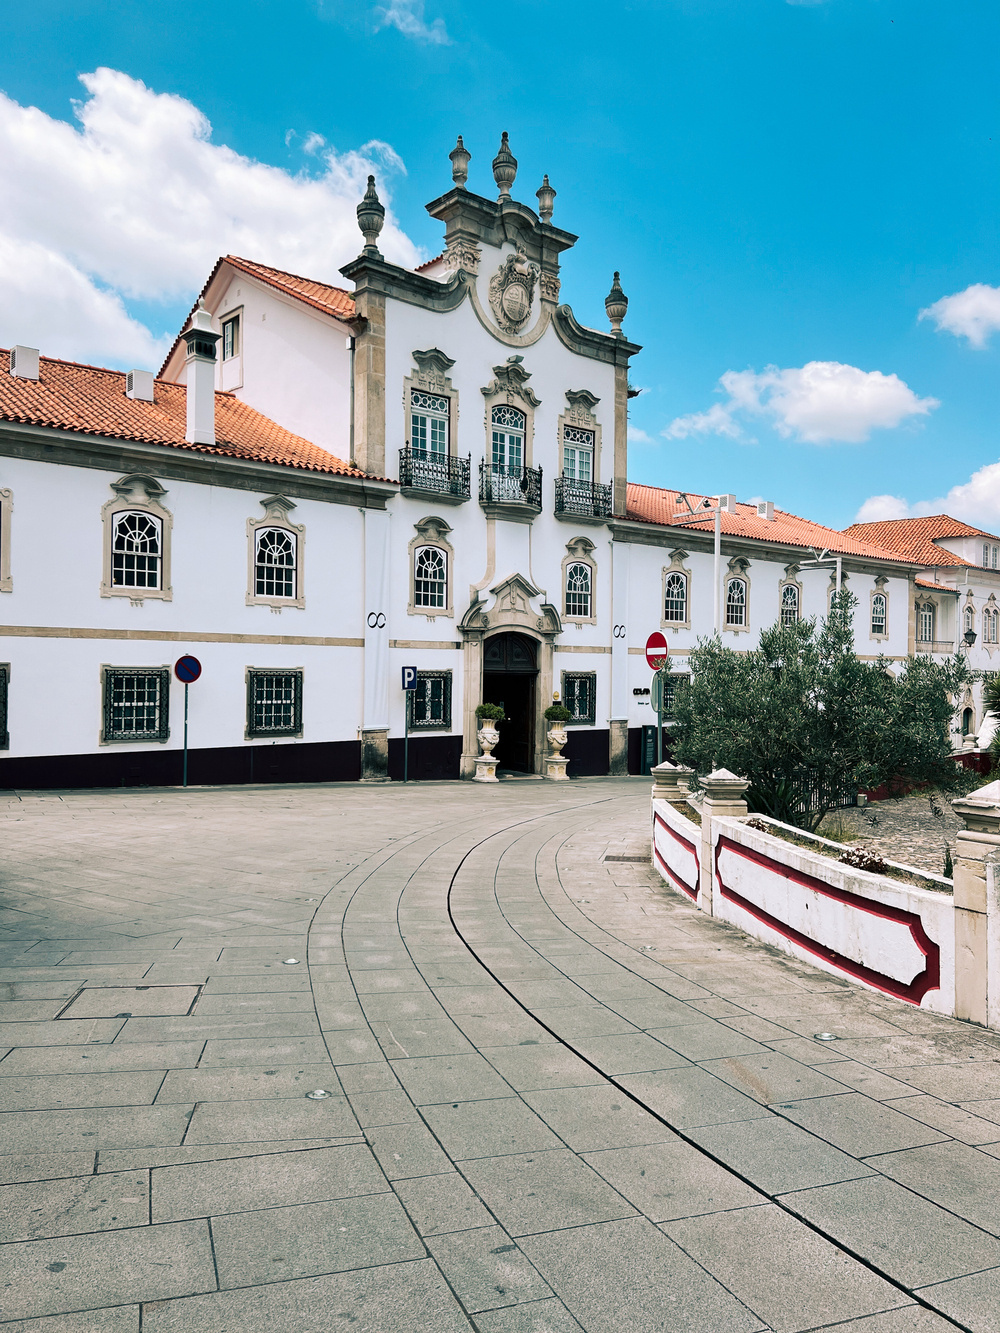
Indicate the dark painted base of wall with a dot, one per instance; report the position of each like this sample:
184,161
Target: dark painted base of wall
432,758
326,761
588,753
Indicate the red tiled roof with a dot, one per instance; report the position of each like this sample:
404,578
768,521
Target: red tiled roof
938,587
914,538
89,399
331,300
651,504
429,263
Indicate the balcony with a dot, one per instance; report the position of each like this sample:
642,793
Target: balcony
586,500
424,474
510,492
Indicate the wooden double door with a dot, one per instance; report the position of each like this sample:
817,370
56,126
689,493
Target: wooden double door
510,678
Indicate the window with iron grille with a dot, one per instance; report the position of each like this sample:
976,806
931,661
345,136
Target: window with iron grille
790,604
580,696
675,598
274,702
673,682
231,338
274,563
578,454
736,603
136,704
136,550
879,614
429,705
4,690
429,425
578,591
925,624
430,577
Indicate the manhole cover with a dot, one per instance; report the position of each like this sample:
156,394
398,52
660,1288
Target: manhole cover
138,1001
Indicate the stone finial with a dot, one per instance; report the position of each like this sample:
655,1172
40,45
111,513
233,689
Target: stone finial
980,809
670,781
460,158
371,218
723,787
504,168
616,304
546,197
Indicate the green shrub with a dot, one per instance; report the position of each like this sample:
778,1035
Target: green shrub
558,713
491,713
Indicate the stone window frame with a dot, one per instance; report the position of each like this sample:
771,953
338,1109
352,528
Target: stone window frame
790,581
925,605
250,732
6,510
881,589
234,316
580,551
580,413
676,566
431,531
992,611
162,736
510,388
137,492
591,719
431,376
446,675
276,511
738,568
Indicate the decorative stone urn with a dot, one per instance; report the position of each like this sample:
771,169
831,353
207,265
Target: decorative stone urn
555,762
486,763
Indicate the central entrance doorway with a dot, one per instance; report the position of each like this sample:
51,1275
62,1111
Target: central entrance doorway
510,673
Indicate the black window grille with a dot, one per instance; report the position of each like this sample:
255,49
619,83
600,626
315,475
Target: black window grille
136,704
429,705
580,697
274,703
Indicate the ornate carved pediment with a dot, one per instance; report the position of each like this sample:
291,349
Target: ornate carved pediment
137,488
432,529
512,289
512,609
580,548
511,377
277,508
462,255
432,370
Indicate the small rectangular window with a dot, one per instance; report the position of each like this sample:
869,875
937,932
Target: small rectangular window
578,454
672,683
230,338
580,697
4,683
274,702
429,415
136,704
428,707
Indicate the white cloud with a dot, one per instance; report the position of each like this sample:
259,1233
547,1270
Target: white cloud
976,501
820,402
136,202
972,314
638,436
408,17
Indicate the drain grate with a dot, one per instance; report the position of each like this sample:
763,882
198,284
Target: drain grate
132,1002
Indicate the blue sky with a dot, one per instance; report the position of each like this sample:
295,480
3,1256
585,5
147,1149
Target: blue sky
781,184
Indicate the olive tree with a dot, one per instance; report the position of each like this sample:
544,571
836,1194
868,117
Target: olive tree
802,712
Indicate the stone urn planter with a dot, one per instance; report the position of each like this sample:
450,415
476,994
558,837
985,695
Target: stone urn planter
488,736
555,761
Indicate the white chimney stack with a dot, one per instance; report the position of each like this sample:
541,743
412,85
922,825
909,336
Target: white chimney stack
200,367
765,509
139,385
24,363
727,503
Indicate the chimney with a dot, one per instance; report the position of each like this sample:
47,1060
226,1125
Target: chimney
139,385
727,503
24,363
200,366
765,509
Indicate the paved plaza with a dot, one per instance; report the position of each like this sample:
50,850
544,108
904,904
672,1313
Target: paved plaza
560,1098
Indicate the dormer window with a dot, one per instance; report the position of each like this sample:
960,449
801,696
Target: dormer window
578,454
429,425
230,338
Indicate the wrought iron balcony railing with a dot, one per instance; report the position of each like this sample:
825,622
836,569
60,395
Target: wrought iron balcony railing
520,486
588,499
420,470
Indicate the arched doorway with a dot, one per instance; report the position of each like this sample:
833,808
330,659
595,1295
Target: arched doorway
966,721
510,674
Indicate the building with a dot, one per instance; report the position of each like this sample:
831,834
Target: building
322,485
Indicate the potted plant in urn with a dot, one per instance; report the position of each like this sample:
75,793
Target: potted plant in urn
557,715
486,765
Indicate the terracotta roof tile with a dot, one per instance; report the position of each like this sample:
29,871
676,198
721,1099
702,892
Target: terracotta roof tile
68,396
331,300
429,263
914,538
938,587
651,504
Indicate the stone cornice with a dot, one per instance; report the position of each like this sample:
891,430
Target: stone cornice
591,342
74,449
375,275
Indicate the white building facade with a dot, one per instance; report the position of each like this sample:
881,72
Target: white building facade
323,486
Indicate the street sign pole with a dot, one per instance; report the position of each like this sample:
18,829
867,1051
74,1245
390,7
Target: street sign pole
186,688
186,669
409,685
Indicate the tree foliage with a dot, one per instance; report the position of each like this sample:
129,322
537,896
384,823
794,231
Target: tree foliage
802,711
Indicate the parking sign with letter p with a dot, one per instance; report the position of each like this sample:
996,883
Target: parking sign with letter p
409,678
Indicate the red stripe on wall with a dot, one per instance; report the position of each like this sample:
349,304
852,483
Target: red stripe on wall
691,891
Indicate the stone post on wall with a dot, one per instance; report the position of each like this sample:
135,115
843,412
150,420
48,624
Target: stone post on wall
723,798
670,781
977,911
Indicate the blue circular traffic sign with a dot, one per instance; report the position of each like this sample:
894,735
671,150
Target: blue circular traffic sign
187,669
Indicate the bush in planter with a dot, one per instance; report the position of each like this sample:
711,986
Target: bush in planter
490,713
558,713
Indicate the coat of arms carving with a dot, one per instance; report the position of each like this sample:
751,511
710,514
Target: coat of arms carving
512,288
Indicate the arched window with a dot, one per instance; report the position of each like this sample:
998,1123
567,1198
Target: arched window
429,425
578,589
736,603
430,577
790,604
991,624
136,551
274,563
969,620
879,614
925,623
966,721
508,438
675,598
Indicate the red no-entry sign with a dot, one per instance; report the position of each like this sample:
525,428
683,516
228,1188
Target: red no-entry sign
656,651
